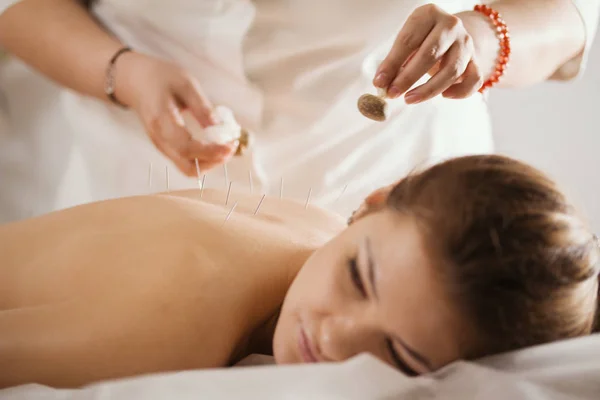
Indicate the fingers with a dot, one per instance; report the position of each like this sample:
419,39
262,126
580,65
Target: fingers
453,65
187,146
206,163
435,46
468,84
169,135
410,38
190,96
210,156
181,163
171,139
431,42
208,152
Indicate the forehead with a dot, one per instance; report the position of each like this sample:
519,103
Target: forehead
412,298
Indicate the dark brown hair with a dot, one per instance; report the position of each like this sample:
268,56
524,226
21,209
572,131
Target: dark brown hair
87,3
512,252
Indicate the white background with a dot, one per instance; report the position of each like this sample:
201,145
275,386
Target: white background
556,127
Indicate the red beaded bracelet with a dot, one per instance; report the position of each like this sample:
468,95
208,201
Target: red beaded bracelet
503,37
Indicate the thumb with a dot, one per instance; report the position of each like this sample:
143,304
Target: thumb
193,99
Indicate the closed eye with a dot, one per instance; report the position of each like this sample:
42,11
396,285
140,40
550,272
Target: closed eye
355,276
400,363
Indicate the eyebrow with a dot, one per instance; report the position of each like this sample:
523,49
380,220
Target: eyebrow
371,273
371,266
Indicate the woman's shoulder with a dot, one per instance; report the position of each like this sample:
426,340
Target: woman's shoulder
266,209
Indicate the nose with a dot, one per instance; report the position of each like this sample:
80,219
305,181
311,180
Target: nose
344,336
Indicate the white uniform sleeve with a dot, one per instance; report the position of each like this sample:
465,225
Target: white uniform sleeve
4,4
589,11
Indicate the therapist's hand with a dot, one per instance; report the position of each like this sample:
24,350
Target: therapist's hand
159,91
435,42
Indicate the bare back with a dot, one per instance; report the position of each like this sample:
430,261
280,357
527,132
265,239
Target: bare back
145,284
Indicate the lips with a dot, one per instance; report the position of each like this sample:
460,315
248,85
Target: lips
306,347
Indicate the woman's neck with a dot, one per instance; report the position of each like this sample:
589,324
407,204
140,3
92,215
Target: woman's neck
260,341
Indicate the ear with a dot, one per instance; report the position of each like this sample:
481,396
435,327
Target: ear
378,198
373,202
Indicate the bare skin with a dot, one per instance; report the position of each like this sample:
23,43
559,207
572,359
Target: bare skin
147,284
160,283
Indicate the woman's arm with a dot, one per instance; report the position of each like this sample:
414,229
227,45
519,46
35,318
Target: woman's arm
85,340
61,40
545,34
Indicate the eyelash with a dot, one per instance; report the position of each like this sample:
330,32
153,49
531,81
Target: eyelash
355,276
359,285
399,361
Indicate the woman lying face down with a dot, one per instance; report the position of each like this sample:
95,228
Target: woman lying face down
474,256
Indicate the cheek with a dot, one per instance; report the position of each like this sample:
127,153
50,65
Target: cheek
312,296
316,283
284,340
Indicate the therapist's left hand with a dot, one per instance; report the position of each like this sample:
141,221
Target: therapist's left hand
435,42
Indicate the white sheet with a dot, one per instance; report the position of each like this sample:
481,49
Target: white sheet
565,370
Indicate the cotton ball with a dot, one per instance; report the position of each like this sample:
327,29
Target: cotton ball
227,131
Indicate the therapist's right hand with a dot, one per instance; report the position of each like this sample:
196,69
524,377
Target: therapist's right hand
159,91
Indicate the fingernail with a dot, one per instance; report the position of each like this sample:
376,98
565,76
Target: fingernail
380,80
214,119
393,92
227,150
412,98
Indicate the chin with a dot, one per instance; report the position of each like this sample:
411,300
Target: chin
282,353
285,359
281,356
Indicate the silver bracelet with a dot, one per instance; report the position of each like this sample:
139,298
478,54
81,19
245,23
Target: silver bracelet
109,83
